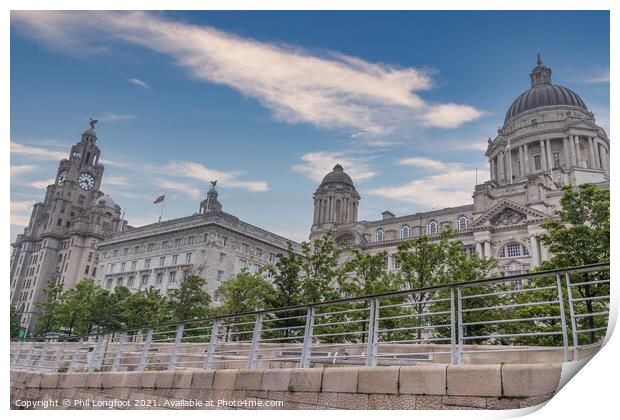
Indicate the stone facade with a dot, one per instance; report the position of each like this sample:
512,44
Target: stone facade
452,387
548,140
212,243
58,245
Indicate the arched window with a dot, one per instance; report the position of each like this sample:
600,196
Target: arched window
379,235
462,223
513,249
432,228
405,232
337,211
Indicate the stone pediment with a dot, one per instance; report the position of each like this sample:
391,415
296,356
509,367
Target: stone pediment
585,124
507,213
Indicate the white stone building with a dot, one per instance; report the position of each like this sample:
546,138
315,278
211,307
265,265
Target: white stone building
214,244
58,245
548,140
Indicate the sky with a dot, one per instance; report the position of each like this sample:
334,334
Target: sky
268,102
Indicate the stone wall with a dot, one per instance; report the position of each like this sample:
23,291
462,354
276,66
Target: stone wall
408,387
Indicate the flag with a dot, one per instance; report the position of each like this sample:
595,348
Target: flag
159,199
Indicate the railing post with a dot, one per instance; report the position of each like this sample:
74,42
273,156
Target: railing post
15,358
145,350
453,352
562,317
573,321
75,356
459,321
212,343
59,356
255,341
175,350
29,355
42,356
373,333
307,346
95,354
119,351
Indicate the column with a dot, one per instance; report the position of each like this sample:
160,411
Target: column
597,156
534,251
566,152
479,249
549,154
573,150
487,249
544,253
492,168
578,149
510,165
501,165
521,163
543,157
591,150
526,160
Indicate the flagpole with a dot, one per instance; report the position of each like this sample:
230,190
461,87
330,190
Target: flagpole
161,213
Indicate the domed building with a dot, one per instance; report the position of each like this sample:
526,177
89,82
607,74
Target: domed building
549,139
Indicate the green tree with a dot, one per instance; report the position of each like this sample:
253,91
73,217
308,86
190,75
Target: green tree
48,321
319,270
189,300
74,311
245,292
16,318
147,307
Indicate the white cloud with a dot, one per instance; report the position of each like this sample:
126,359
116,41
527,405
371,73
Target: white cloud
328,90
229,179
115,181
316,165
598,76
20,212
140,83
17,170
42,184
179,187
35,152
451,184
112,117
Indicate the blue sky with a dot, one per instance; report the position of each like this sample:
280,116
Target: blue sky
268,102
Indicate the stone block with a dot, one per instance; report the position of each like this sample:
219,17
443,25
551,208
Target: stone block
72,380
183,379
306,380
344,401
532,401
164,379
202,379
378,380
49,380
474,380
276,379
112,379
249,379
302,397
33,380
94,380
503,403
460,401
423,380
147,380
530,380
340,379
225,379
131,379
391,402
428,402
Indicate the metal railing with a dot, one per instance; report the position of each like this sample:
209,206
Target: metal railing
556,315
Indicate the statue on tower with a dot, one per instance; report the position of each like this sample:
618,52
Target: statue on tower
211,203
92,123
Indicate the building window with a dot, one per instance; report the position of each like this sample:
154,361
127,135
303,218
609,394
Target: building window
272,257
462,223
537,163
188,258
337,210
145,280
136,249
133,265
513,249
432,228
87,269
222,256
159,278
405,232
396,262
556,160
130,281
259,253
112,268
177,242
125,251
164,245
243,247
379,235
223,240
162,261
122,267
172,277
175,260
147,263
242,264
220,276
90,257
150,247
119,282
190,240
109,284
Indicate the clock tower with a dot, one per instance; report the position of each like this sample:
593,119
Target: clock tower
58,245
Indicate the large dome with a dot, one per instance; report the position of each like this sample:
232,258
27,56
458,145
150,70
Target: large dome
106,201
543,93
337,176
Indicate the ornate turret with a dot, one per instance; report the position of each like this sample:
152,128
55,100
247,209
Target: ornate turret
336,200
211,203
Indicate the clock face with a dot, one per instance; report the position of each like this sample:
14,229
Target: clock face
86,181
62,178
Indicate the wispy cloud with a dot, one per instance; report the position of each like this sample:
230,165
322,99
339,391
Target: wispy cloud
141,84
198,171
178,187
113,117
449,184
315,165
327,89
20,212
42,184
598,76
38,153
115,181
17,170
